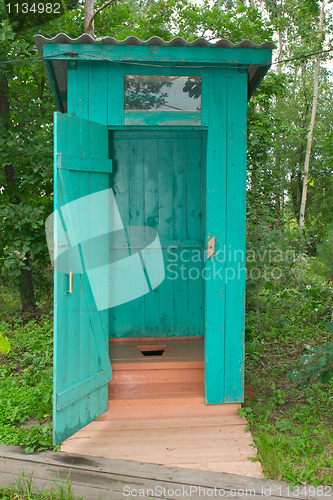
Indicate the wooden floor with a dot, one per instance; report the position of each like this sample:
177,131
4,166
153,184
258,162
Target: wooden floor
99,478
157,413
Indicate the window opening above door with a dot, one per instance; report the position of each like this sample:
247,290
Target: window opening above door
161,99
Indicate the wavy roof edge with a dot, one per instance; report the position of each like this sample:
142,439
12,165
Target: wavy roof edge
154,41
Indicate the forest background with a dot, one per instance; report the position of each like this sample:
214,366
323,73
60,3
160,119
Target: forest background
289,217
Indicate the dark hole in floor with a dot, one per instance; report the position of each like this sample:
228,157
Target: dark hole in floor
153,353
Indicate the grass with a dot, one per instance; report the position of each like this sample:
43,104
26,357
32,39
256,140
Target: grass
25,489
26,378
292,428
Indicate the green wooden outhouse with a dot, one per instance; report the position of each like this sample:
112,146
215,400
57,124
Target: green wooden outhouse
162,124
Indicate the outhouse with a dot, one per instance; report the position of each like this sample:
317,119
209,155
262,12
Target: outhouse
157,130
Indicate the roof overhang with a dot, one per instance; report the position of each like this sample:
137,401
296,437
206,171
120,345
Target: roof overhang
57,51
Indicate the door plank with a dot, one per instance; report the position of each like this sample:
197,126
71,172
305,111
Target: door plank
194,231
77,333
82,389
61,327
121,315
137,207
88,353
165,214
151,169
73,162
179,216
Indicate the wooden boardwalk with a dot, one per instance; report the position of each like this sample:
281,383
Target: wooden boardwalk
98,478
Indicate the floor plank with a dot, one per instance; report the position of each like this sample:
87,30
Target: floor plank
215,442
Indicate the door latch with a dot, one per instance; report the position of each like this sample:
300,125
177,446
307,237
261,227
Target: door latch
210,247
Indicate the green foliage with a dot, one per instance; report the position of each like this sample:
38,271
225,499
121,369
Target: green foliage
279,117
26,384
4,345
26,130
316,363
325,252
292,429
25,159
25,489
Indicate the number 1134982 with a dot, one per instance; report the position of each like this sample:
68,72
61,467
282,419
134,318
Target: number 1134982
40,8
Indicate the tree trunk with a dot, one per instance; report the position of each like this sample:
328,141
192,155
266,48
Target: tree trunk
332,260
280,47
26,288
312,123
88,17
280,195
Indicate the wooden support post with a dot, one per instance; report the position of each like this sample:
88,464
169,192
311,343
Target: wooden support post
215,215
225,183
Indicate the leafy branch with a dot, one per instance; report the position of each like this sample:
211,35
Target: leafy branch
4,345
316,363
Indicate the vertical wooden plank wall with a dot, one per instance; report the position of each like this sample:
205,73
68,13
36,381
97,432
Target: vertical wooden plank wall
225,185
157,180
195,218
179,233
115,94
215,208
136,216
165,229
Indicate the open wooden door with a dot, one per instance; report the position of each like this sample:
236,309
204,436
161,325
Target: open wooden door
82,367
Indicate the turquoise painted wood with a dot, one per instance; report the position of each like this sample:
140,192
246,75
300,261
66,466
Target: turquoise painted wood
82,367
183,55
215,225
225,219
157,180
186,181
235,239
162,118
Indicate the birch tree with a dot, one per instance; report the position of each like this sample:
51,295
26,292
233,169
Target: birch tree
312,124
90,14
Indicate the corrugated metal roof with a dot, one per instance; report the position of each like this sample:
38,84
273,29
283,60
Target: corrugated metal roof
155,41
56,70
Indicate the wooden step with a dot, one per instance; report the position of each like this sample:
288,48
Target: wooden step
166,408
146,368
153,391
184,350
